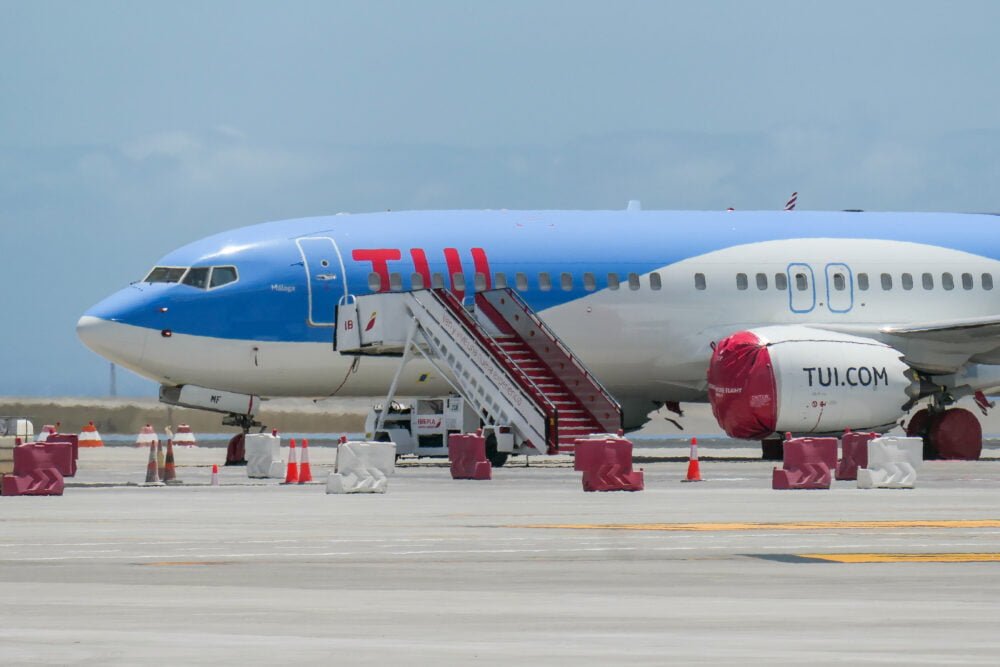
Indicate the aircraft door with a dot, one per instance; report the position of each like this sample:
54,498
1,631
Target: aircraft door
801,288
326,279
839,287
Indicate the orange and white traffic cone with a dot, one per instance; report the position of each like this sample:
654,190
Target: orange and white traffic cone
146,437
185,437
694,469
215,474
305,471
89,437
152,472
169,469
292,472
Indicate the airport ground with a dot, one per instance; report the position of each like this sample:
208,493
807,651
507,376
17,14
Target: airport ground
526,568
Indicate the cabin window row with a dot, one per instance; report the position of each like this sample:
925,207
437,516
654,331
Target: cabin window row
546,281
839,281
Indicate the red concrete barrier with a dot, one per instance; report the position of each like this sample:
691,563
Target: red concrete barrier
38,469
806,464
606,464
74,442
853,454
467,453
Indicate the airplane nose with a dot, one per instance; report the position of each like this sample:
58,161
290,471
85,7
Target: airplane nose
122,343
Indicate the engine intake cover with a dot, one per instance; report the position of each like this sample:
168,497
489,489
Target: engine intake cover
804,380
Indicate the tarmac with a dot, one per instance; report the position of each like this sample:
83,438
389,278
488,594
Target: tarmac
525,568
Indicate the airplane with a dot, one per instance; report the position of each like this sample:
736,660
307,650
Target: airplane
784,321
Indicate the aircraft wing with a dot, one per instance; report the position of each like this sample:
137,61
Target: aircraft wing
974,330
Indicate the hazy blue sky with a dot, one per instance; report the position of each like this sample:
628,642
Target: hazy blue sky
130,128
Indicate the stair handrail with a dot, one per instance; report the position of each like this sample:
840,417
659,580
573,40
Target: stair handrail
543,405
558,342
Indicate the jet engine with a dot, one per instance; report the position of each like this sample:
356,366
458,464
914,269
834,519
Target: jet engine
805,380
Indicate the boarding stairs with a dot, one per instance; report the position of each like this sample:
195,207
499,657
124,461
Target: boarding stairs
498,355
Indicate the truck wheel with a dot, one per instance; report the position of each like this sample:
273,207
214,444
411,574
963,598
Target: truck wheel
496,459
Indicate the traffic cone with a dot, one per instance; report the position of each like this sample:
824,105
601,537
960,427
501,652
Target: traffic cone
89,437
215,474
184,437
146,437
305,472
152,472
292,473
169,470
694,470
161,464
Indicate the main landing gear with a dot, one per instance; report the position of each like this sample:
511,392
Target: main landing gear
949,433
236,452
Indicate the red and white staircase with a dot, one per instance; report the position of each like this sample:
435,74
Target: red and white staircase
503,360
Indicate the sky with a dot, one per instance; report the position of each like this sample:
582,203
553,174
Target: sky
128,129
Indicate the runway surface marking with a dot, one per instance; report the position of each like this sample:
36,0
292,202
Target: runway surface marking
792,525
906,558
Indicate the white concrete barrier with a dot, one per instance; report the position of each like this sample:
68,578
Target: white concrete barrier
263,455
892,463
362,467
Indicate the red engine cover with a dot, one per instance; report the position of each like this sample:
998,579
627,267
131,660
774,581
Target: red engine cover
741,387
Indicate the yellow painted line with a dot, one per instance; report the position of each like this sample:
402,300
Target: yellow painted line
906,558
792,525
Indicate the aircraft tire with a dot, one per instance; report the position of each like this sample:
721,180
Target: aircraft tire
772,449
956,434
918,427
497,459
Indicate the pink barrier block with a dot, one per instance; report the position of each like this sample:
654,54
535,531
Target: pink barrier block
606,465
467,453
38,482
37,455
806,464
853,454
73,441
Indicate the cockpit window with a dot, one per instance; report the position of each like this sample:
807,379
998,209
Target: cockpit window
165,274
223,275
197,277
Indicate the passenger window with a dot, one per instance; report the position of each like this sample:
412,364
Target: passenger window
479,281
613,281
780,281
633,281
699,281
500,280
521,280
741,281
863,282
416,281
907,281
947,281
762,281
458,282
223,275
374,282
839,282
197,278
966,281
987,281
544,281
654,281
165,274
566,282
801,282
437,281
886,282
927,280
396,282
589,283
